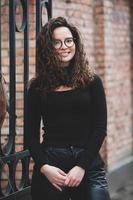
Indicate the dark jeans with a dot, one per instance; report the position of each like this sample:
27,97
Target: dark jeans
92,187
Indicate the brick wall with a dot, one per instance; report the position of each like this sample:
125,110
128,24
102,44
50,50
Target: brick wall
118,80
131,53
107,32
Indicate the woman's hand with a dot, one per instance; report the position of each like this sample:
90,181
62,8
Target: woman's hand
74,177
55,175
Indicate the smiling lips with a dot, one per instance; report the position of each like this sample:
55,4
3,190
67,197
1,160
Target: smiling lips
64,54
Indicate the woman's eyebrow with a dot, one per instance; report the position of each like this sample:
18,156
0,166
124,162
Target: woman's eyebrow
64,39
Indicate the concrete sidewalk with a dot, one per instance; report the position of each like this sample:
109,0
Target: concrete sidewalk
124,193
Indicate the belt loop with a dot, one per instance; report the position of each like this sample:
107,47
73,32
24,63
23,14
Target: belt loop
72,147
72,150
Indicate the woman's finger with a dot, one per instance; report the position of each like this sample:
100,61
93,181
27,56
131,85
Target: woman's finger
67,181
61,183
74,183
62,173
61,178
77,183
57,186
71,182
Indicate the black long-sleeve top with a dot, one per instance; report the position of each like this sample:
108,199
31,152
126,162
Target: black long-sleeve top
74,117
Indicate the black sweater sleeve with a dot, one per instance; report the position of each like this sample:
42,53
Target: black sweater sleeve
33,127
99,123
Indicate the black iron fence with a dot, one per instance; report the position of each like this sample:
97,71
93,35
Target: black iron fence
9,158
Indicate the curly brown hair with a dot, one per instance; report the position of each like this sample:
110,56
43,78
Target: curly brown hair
49,74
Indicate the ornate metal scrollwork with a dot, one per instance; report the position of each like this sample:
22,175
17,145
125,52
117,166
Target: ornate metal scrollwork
24,21
9,159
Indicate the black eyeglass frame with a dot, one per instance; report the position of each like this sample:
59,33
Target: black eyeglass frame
61,43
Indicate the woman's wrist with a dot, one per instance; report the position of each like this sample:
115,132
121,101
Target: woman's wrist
44,168
80,167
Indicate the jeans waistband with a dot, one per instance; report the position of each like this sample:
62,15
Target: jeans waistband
69,147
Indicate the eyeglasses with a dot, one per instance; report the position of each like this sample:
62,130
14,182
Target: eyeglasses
69,42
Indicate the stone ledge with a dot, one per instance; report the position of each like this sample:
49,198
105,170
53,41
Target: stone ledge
121,176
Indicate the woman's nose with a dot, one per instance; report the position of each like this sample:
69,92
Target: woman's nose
64,46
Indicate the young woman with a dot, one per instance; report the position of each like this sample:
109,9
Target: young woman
69,98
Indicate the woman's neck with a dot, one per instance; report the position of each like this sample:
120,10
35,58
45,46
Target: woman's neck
63,88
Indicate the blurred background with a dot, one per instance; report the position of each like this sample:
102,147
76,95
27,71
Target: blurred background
106,27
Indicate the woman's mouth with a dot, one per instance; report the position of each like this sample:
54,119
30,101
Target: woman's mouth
64,54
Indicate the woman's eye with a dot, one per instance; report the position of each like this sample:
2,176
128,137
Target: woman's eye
56,42
69,40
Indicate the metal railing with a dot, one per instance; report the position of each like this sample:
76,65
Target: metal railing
8,157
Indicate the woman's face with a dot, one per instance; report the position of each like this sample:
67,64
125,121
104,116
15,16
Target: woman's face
64,45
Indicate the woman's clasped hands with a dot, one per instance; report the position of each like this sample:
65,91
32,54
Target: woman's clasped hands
59,178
